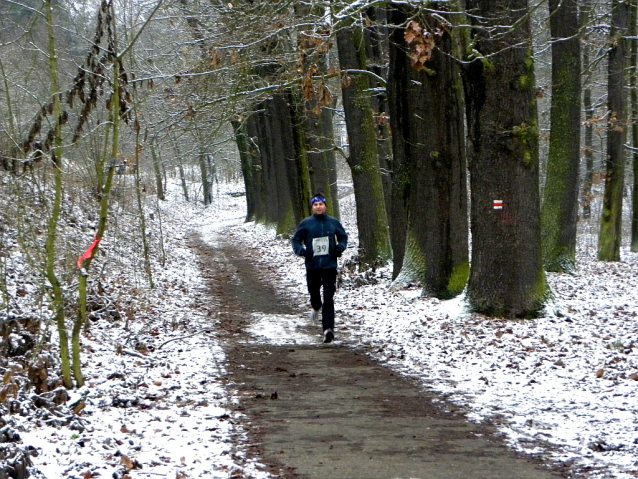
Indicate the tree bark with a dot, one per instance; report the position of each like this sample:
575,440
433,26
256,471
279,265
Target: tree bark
374,239
377,46
317,111
54,220
560,204
246,155
610,235
284,166
586,195
182,177
430,124
157,168
507,277
397,105
633,84
206,181
258,195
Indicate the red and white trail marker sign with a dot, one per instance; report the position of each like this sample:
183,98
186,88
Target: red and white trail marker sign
498,204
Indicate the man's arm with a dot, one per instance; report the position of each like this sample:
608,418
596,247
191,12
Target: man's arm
342,238
298,241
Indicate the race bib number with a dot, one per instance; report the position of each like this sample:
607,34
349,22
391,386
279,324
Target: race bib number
320,246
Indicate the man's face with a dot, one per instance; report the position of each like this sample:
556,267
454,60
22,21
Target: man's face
319,208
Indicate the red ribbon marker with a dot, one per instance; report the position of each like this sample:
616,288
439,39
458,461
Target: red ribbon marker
89,252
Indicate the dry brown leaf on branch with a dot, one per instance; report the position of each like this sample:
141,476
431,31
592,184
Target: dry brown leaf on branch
421,42
325,96
412,32
308,89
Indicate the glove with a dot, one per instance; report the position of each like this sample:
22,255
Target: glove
337,252
307,253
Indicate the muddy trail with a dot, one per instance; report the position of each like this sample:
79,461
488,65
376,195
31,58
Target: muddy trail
317,410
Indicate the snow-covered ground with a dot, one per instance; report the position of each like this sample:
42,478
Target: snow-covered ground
563,386
156,400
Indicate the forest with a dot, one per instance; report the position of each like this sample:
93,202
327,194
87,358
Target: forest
475,135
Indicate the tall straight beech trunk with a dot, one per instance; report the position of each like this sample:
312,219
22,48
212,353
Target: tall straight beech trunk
322,161
157,169
271,181
258,184
610,235
400,172
560,204
207,184
363,159
316,109
586,194
297,165
327,123
428,121
506,277
633,84
377,46
285,185
247,154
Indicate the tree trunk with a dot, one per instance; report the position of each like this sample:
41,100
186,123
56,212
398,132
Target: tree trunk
252,131
317,113
374,239
610,235
247,153
507,277
327,123
139,188
206,181
560,204
157,168
182,178
267,152
586,195
284,163
397,106
431,127
52,230
633,84
377,45
84,263
298,166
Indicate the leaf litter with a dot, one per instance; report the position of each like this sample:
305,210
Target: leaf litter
158,402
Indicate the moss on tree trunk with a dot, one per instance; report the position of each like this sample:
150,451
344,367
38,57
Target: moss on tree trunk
560,205
507,277
374,238
610,236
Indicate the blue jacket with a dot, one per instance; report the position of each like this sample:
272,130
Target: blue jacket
320,239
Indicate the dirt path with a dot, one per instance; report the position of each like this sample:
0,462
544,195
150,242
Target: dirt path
329,411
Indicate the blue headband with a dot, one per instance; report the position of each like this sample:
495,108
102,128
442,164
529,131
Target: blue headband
318,198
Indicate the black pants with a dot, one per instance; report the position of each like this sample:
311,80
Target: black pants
316,278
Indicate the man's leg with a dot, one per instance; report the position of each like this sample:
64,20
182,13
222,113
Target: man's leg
329,288
313,280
